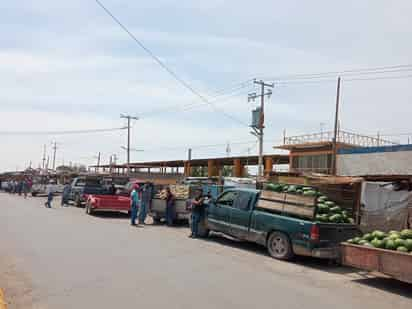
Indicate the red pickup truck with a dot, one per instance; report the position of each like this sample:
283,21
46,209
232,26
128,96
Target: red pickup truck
107,203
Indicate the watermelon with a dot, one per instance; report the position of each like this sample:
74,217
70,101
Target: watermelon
337,218
408,244
273,187
378,234
299,191
402,249
335,209
377,243
322,199
399,242
362,242
292,189
406,234
394,236
307,188
367,237
309,193
323,209
390,244
356,240
330,203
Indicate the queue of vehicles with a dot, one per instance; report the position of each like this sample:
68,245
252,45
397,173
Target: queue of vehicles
286,223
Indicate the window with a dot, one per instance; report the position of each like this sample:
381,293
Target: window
317,163
243,201
227,198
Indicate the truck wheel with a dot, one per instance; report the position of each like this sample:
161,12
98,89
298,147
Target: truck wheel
77,201
279,246
34,194
156,220
89,209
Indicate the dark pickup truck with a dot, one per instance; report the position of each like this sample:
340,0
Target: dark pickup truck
83,186
284,229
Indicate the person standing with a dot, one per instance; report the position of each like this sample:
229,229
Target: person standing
197,213
65,194
170,207
25,186
49,191
134,204
146,195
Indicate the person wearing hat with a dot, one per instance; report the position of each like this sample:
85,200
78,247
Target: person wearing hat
134,204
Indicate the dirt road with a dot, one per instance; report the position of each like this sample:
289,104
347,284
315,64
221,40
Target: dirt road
63,258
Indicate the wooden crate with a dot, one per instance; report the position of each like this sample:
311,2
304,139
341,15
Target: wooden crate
392,263
302,206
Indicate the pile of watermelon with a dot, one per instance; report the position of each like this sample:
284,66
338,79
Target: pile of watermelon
326,210
393,240
292,189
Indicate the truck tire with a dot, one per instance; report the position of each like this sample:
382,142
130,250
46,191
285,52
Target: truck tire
89,209
279,246
34,194
157,220
77,201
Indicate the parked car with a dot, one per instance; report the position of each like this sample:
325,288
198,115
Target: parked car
39,186
107,203
83,186
237,212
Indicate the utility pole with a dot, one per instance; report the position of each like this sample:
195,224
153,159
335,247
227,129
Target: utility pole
258,127
54,154
335,132
98,162
228,149
129,118
44,157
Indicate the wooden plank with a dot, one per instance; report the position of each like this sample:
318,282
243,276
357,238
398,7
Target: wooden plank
289,198
298,210
308,201
275,196
392,263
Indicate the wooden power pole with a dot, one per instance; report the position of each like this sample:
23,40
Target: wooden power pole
336,130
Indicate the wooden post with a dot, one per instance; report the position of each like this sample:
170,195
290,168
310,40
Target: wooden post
335,133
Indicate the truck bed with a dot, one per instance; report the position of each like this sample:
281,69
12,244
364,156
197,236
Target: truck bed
109,202
392,263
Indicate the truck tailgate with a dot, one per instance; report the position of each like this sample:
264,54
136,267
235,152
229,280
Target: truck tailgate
337,233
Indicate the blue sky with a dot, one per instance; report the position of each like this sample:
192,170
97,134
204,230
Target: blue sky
66,65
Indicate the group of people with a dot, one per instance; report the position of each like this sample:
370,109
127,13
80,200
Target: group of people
20,187
140,199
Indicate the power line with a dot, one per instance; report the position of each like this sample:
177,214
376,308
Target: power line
86,131
376,70
183,108
166,68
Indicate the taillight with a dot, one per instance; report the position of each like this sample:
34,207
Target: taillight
314,232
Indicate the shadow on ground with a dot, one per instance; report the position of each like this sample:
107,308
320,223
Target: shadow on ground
387,284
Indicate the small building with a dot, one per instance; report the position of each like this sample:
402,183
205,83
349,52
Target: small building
395,160
314,152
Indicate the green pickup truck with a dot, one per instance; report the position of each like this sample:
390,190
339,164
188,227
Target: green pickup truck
250,215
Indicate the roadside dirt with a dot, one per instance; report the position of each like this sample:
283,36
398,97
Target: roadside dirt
16,285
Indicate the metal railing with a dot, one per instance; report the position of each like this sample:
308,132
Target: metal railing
342,137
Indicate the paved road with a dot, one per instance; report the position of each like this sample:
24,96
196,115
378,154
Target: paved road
62,258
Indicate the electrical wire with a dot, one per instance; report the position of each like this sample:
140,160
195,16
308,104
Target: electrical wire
373,70
183,108
166,68
61,132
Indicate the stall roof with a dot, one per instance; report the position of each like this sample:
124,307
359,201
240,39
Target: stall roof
250,160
